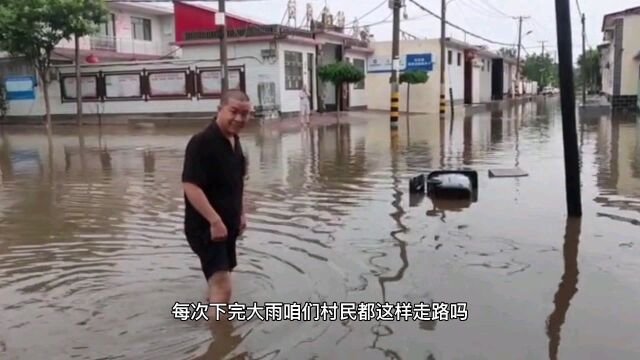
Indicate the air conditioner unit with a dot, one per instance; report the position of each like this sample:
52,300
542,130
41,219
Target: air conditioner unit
268,53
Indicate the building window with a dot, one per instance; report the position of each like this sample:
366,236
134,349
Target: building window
140,28
459,59
449,57
359,63
482,64
108,29
293,70
488,65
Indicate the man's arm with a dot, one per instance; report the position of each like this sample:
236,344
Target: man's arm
199,200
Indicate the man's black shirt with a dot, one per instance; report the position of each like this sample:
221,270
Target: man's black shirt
218,169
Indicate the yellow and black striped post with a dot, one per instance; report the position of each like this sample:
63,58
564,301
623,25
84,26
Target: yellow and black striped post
395,53
443,103
395,105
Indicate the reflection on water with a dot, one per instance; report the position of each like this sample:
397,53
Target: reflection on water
93,257
568,285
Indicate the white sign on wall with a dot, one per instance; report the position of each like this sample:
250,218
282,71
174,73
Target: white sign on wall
168,83
123,85
383,64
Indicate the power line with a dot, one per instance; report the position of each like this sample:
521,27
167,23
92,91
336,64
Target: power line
369,12
476,8
578,5
458,27
495,9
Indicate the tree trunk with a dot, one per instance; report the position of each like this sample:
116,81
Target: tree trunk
78,83
339,102
44,77
408,94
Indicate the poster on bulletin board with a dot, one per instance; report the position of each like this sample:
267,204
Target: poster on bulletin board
167,84
122,86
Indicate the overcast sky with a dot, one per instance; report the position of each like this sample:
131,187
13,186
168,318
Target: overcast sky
487,18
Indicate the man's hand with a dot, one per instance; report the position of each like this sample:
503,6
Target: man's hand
243,222
218,230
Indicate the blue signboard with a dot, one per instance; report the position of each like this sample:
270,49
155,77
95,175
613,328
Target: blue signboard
422,62
20,87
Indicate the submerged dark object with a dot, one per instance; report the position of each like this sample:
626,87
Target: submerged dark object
503,173
447,184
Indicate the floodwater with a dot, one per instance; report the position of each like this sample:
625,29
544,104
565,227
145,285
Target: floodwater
92,255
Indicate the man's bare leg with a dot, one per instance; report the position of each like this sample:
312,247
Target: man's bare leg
219,291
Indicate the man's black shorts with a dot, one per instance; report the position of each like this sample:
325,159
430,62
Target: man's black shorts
214,255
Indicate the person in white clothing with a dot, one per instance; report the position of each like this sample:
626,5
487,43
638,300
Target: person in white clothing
304,105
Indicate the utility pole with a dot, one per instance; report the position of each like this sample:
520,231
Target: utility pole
395,91
442,56
568,102
518,56
221,19
542,42
584,60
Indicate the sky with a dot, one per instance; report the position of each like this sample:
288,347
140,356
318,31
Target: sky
488,18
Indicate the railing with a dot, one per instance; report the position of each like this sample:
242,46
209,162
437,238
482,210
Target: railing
127,46
107,43
356,43
254,30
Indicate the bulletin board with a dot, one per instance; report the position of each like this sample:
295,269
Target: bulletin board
88,83
123,85
168,84
209,81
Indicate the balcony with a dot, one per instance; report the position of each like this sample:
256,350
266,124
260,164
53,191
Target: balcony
127,45
107,43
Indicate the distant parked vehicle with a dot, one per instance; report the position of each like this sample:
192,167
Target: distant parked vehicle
548,90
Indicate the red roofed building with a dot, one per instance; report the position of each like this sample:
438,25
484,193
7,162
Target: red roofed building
191,17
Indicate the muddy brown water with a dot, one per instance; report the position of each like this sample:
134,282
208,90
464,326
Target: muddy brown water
92,255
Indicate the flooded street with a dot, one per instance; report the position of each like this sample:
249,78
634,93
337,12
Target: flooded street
93,256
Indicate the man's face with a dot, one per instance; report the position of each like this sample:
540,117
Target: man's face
234,115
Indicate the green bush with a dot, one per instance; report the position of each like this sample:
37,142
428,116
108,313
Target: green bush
414,77
340,72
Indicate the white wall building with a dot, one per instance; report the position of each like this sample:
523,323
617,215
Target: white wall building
620,58
469,74
270,62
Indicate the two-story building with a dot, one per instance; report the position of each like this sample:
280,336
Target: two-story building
133,31
620,58
182,74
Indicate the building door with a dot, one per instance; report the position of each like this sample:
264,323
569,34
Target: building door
468,77
497,79
638,102
310,77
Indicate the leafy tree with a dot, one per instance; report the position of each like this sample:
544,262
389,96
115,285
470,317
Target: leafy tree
340,73
541,68
4,104
510,52
589,70
413,77
84,17
32,29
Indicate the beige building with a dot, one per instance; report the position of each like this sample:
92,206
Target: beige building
474,75
620,58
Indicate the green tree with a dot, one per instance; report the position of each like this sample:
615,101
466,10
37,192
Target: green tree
541,68
588,72
508,52
84,17
32,29
340,73
413,77
4,103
